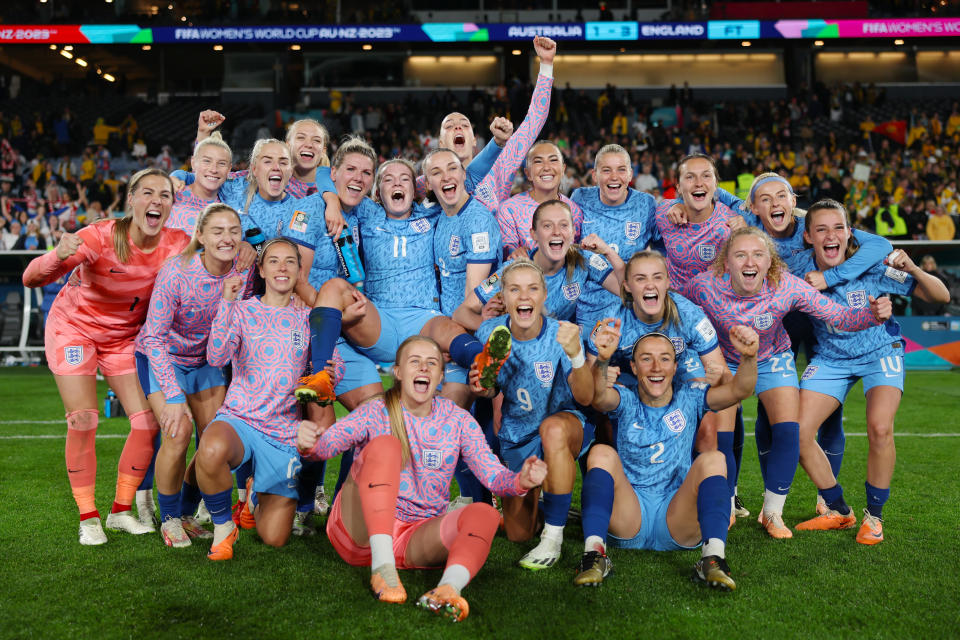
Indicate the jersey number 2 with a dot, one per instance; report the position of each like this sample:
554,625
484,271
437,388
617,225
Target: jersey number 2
657,452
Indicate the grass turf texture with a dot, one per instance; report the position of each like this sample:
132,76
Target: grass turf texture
818,584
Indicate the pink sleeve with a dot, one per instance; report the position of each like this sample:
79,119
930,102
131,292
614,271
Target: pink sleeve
164,304
577,220
476,453
47,268
224,340
421,190
508,227
354,429
496,186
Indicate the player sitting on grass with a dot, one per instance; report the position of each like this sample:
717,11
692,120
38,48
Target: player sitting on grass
392,511
540,380
646,493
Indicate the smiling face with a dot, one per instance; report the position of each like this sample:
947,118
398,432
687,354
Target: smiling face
697,185
396,189
221,235
613,174
280,267
272,170
353,179
829,235
523,295
151,202
445,176
553,231
647,282
307,145
773,202
545,167
654,364
456,133
418,371
748,261
211,165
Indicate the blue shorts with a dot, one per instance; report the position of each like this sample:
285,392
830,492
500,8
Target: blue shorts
359,370
776,371
514,453
190,380
396,325
835,379
654,533
276,466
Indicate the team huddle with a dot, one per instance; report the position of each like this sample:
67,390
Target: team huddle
531,336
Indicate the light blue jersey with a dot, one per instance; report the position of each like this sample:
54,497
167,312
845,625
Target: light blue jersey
562,292
533,380
655,443
398,256
472,236
692,335
873,248
874,343
627,228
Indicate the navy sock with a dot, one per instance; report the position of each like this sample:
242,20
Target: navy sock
555,508
190,497
346,461
713,508
147,482
784,457
464,349
725,445
325,325
218,504
738,444
242,473
764,437
834,499
833,440
597,499
876,498
169,505
311,475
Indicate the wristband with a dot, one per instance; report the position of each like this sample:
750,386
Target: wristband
578,360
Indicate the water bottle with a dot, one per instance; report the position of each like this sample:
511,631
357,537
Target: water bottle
111,406
349,259
256,239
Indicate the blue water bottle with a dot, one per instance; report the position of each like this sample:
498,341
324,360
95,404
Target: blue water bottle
349,259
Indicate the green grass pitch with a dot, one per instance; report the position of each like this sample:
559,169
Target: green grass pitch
820,584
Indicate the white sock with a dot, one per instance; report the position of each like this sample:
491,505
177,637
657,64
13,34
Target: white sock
733,503
455,575
773,502
714,547
552,532
594,543
242,495
381,550
221,531
736,490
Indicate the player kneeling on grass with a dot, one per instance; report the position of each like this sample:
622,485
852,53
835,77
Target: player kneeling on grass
266,340
392,510
646,493
540,380
874,355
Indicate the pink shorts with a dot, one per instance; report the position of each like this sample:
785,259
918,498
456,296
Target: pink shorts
70,353
354,554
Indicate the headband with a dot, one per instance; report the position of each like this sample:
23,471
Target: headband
651,334
763,181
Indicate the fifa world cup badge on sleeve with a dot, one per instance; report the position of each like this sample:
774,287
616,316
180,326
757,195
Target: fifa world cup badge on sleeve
481,242
299,221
